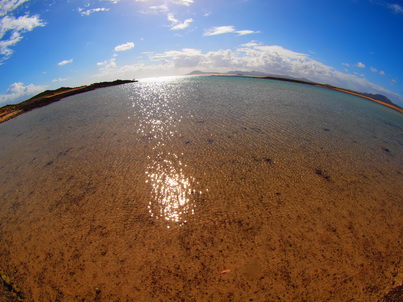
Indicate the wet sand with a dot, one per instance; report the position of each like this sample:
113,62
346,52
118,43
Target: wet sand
256,217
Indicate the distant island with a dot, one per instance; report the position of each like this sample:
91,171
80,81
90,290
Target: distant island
50,96
377,98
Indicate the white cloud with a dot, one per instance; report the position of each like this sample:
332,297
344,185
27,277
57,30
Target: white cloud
17,92
182,25
124,47
219,30
9,5
176,24
59,80
108,65
182,2
360,65
246,32
373,69
171,18
14,28
93,10
382,72
159,8
345,64
252,43
179,2
65,62
396,8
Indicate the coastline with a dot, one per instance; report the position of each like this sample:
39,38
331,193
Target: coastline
355,93
50,96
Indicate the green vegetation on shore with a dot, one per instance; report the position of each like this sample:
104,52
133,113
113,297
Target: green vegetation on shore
50,96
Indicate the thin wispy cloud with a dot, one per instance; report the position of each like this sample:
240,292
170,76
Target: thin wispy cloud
7,6
182,2
93,10
62,63
108,64
59,80
176,24
124,47
219,30
178,2
12,29
396,8
159,8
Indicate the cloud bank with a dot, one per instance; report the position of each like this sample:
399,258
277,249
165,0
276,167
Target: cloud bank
252,56
17,92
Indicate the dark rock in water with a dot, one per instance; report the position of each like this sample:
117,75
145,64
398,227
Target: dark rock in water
323,174
326,129
319,172
210,141
386,150
49,163
267,160
187,142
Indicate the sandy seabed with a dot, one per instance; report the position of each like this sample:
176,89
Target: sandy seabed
205,213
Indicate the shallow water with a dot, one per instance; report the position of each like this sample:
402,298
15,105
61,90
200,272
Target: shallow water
148,191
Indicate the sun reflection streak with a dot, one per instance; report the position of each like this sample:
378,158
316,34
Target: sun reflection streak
172,188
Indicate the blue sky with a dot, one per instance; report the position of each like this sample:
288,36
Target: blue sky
46,44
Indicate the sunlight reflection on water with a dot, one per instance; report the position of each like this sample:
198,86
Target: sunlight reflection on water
171,188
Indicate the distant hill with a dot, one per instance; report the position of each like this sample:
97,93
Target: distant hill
379,97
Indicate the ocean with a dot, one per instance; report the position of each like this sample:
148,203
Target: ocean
203,188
